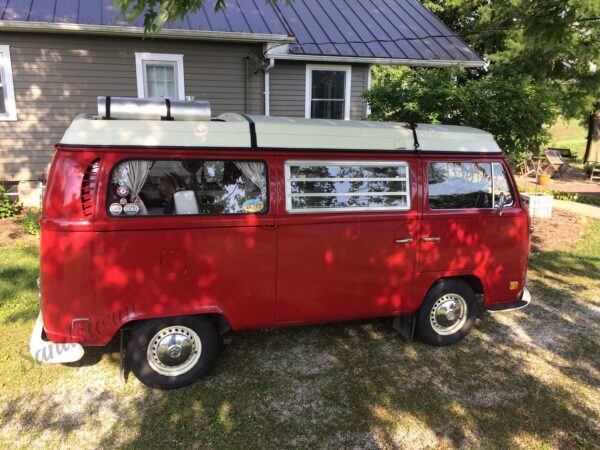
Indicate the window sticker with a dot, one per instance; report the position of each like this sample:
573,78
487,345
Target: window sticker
253,205
131,209
115,209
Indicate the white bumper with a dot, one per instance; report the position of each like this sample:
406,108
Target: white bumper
48,352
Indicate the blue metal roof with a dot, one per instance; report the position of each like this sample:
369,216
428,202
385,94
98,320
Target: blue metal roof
370,29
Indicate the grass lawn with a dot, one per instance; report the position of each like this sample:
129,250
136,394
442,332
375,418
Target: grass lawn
525,379
569,134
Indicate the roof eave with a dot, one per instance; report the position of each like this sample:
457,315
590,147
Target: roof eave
114,30
373,60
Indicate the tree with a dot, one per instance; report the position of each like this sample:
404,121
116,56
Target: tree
157,13
511,106
553,41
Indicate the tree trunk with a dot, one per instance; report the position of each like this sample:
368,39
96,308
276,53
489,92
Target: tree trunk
592,149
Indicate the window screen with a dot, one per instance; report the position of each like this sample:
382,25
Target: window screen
317,186
161,80
188,186
327,94
459,185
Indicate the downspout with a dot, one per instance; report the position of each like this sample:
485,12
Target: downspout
268,86
246,86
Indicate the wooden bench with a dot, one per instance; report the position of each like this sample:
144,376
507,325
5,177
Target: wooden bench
554,163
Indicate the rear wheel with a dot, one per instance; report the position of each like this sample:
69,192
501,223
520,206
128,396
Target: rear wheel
447,313
173,352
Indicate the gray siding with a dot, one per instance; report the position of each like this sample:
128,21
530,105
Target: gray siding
57,77
288,84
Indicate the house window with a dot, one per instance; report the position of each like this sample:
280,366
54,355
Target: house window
159,75
332,186
8,109
328,92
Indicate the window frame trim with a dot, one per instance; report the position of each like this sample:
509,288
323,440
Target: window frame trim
8,86
143,57
288,191
331,68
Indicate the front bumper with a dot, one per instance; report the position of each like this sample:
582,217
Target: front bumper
511,306
47,352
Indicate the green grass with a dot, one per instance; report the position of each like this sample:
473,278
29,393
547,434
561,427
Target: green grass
526,379
569,134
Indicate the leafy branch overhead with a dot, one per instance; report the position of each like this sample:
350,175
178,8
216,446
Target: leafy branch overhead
157,13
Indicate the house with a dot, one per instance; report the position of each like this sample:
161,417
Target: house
308,58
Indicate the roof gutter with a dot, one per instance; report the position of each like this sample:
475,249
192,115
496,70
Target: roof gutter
114,30
373,60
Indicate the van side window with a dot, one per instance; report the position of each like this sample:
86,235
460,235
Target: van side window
459,185
501,186
187,186
321,186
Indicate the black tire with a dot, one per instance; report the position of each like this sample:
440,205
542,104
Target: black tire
434,319
172,337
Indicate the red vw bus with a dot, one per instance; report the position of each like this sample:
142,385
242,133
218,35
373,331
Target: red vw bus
186,228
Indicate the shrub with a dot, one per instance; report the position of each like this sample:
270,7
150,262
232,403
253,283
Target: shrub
31,222
8,208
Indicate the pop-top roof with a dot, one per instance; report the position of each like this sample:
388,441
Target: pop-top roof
239,131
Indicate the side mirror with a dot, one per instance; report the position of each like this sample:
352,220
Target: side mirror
501,201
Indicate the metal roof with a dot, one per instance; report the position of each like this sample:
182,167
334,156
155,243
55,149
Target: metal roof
370,30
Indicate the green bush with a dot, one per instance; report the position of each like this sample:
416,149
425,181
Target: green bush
31,222
8,208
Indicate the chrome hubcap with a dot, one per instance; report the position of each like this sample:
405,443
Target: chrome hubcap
174,350
449,314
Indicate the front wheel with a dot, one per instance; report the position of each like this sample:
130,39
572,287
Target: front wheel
173,352
448,313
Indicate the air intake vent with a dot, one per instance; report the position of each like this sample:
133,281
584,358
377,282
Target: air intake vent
88,187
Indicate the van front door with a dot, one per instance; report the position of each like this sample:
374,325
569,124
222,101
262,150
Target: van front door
347,236
462,230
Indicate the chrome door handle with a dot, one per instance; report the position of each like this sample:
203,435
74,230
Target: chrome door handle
432,239
404,241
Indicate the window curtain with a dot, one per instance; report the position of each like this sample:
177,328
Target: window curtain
256,172
133,174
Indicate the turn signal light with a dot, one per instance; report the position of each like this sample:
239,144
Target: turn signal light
513,285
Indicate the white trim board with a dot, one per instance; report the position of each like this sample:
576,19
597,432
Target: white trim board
332,68
7,85
140,73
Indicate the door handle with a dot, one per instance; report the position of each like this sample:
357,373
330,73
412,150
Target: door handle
270,227
431,239
404,241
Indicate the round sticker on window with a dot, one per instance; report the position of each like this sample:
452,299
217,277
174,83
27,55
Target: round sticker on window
131,209
253,205
123,191
115,209
123,201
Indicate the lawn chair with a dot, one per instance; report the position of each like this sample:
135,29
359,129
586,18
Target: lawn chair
528,166
554,163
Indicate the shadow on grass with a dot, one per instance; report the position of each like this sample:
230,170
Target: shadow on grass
526,378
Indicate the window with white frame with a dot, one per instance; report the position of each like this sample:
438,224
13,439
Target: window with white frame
328,92
8,109
159,75
332,186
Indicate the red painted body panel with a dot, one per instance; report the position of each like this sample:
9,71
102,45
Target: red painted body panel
258,270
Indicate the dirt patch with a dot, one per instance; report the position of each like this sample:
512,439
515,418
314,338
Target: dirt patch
12,233
563,230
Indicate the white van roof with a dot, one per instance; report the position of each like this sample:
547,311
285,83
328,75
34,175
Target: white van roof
241,131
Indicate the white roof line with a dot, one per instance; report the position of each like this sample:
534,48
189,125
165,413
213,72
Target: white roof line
373,60
136,31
